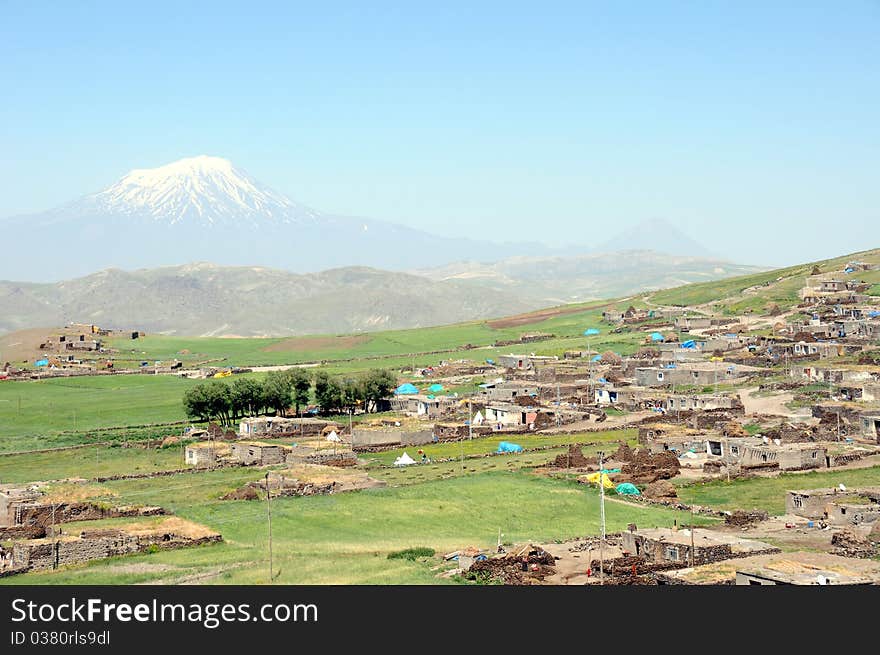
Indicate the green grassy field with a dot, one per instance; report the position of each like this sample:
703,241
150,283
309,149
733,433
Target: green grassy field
346,538
89,462
37,414
490,444
390,348
769,493
783,293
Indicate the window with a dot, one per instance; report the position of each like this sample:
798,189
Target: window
797,501
734,450
672,553
751,582
660,375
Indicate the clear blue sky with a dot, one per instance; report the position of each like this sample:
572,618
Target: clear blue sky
755,125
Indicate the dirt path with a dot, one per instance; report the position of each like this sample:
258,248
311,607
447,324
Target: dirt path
611,423
774,405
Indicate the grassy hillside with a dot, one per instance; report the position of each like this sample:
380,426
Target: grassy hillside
730,292
346,538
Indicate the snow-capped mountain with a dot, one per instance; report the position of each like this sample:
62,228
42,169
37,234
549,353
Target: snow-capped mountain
207,190
205,209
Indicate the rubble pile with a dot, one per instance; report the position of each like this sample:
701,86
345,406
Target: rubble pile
574,458
849,544
243,493
508,569
734,429
660,490
743,518
633,566
640,467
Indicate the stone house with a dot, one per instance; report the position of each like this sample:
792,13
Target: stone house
788,457
689,547
838,506
258,453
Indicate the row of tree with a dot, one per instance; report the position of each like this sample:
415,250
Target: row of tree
280,391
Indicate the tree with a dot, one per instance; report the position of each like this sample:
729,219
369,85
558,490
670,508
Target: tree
219,399
278,391
300,384
195,403
328,393
247,397
209,401
352,394
376,385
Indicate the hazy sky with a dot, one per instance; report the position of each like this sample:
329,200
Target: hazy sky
754,125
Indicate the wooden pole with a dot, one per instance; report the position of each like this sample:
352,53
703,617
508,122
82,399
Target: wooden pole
269,517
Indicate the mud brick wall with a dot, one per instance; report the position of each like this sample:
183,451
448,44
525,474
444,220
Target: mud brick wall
44,516
22,532
840,460
449,432
50,554
331,459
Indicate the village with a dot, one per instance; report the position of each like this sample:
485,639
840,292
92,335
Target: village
707,396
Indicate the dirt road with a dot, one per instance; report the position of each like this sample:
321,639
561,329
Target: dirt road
774,405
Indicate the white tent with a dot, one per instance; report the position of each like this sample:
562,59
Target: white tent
333,436
478,419
404,460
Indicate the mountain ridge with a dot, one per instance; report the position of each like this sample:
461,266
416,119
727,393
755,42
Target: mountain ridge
205,208
204,298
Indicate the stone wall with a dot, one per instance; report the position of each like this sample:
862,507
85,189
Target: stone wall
45,515
453,431
47,554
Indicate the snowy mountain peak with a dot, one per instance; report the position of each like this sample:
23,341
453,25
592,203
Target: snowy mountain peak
203,190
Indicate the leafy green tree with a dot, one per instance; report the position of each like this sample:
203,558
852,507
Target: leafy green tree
328,393
376,385
209,401
219,399
352,394
195,403
247,397
301,385
278,391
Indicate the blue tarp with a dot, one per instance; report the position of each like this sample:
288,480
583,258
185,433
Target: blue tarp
507,447
689,344
627,489
849,270
405,389
603,380
590,332
656,336
41,362
490,361
874,314
434,388
597,358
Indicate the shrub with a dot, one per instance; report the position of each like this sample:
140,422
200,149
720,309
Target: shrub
412,554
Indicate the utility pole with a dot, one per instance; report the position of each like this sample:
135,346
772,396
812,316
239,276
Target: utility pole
558,404
692,538
601,518
269,516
